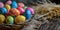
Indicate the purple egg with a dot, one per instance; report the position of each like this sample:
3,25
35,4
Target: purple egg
1,5
9,2
31,9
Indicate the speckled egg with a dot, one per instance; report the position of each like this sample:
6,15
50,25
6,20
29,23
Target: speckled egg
7,6
21,5
21,10
31,9
14,12
1,5
2,18
9,20
28,14
3,11
20,19
9,2
14,4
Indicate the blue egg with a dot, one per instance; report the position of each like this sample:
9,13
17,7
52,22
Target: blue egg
14,4
3,11
28,14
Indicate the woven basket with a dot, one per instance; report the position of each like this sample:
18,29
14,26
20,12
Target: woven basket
12,27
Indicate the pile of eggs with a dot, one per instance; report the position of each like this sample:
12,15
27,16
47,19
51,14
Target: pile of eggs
12,12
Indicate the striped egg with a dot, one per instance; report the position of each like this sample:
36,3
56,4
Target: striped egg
21,10
14,12
3,11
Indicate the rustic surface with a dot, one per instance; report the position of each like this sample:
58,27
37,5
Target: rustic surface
46,17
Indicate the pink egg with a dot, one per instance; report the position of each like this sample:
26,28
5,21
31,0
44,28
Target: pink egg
21,10
21,5
1,5
9,2
31,9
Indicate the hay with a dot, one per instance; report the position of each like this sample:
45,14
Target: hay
48,10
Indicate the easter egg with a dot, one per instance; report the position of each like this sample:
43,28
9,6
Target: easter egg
9,2
2,18
25,7
3,11
21,5
1,5
20,19
9,20
31,9
21,10
7,7
28,14
14,4
14,12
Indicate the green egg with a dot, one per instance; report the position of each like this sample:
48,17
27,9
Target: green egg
25,7
9,20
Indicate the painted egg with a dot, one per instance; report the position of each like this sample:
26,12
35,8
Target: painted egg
21,10
14,12
9,2
31,9
28,14
21,5
2,18
9,20
25,7
1,5
7,7
20,19
3,11
14,4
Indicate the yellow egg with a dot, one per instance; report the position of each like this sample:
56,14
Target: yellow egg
19,19
2,18
8,7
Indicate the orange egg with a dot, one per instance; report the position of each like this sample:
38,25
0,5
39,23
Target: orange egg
14,12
